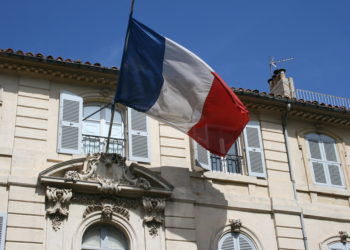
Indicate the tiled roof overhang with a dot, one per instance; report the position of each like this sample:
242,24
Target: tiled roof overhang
317,112
58,67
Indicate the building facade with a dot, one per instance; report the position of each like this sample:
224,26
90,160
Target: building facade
283,185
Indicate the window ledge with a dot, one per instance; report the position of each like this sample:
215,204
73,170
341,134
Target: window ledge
341,191
229,177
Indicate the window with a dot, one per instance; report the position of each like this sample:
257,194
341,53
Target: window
104,237
247,151
96,127
324,160
236,241
339,246
77,135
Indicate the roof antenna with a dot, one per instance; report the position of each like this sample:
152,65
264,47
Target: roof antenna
273,62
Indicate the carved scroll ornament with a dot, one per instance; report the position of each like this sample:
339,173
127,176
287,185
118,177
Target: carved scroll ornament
58,200
154,217
110,171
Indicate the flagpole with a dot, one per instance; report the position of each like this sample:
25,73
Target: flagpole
114,101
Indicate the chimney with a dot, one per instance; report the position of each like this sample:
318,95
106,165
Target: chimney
281,85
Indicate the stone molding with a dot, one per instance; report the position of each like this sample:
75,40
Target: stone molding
58,200
105,184
154,217
236,225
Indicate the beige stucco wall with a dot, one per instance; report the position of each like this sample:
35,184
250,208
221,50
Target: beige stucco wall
202,204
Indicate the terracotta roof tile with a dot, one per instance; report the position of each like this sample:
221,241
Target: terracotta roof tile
10,51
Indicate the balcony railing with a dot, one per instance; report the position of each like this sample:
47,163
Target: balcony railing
96,144
228,164
307,95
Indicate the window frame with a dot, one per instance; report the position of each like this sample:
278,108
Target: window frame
236,240
339,245
103,123
103,231
325,163
242,152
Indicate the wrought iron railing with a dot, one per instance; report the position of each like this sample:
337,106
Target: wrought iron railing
227,164
308,95
96,144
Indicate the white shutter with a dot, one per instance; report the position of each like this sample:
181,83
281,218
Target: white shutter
70,123
254,150
139,142
227,242
324,160
3,218
202,157
245,243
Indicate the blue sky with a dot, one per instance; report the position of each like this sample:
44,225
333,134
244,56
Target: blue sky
234,37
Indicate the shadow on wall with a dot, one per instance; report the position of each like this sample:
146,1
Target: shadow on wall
192,196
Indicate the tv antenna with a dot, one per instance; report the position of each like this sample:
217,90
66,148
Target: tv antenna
273,62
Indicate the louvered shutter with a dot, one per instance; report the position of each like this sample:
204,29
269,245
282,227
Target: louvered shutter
316,159
3,218
139,143
227,242
202,158
254,150
339,246
245,243
70,123
331,158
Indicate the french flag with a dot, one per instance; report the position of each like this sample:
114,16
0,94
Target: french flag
173,85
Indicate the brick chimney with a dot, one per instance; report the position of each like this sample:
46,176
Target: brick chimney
281,85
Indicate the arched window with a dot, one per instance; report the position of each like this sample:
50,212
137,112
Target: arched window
324,160
339,246
236,241
95,130
104,237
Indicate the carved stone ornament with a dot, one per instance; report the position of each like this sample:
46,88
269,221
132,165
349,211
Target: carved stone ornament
107,208
235,225
154,217
343,236
58,200
110,171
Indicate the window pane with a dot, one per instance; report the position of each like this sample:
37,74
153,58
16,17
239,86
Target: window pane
117,116
334,174
315,150
88,110
319,173
92,238
91,128
116,239
329,149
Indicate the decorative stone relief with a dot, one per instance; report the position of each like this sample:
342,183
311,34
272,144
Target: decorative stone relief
107,204
235,225
110,171
58,200
154,217
343,236
107,208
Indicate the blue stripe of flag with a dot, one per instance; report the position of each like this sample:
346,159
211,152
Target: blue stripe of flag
141,78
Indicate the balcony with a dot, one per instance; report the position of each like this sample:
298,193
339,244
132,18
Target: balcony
228,164
96,144
307,95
